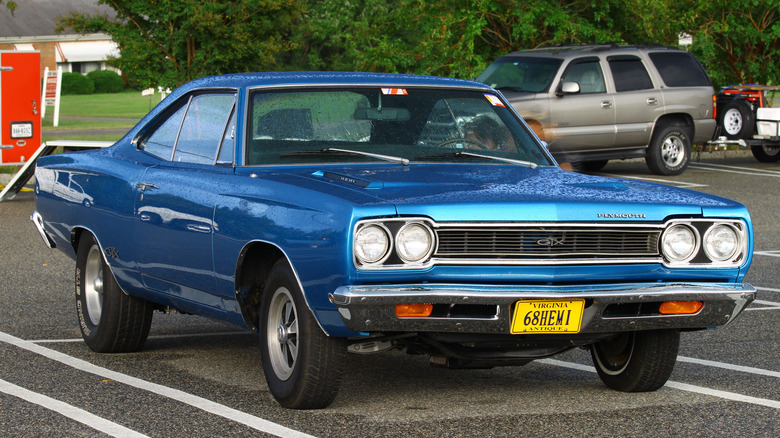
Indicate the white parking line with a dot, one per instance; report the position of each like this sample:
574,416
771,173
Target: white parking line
668,182
728,366
735,169
201,403
767,253
70,411
733,396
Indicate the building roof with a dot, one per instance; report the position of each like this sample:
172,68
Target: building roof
35,20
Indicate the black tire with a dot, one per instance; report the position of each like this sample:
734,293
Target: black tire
590,166
766,154
302,365
110,320
736,120
637,361
669,151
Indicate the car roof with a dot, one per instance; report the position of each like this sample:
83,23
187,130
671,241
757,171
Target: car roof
251,80
570,51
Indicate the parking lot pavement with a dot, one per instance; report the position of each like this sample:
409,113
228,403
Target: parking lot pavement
202,378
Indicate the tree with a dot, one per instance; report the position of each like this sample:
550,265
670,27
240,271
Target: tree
738,42
10,4
169,42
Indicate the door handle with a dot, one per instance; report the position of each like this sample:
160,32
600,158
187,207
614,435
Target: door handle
606,104
144,186
652,101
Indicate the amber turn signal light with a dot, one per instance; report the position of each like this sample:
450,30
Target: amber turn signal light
413,310
680,307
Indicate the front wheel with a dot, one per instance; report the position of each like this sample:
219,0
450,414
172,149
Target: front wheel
669,151
766,154
637,361
110,320
302,365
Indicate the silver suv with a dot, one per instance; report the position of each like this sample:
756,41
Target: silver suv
600,102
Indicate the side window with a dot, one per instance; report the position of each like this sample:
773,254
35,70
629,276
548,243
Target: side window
161,142
680,69
203,128
588,74
629,73
228,147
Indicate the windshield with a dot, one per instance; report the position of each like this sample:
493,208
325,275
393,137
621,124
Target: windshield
403,125
521,74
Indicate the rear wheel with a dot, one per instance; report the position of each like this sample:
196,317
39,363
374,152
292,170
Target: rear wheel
669,151
737,120
766,154
302,365
637,361
110,320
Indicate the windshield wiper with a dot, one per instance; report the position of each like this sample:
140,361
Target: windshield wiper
487,157
338,151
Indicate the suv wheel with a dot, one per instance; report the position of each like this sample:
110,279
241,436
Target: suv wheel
669,150
737,120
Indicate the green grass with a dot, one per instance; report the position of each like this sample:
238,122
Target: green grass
128,104
100,111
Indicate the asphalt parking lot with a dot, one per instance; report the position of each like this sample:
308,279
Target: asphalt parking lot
201,378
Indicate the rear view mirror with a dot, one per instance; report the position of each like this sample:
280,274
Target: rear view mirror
391,114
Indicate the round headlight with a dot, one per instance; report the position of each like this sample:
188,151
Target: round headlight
414,242
721,242
679,243
372,244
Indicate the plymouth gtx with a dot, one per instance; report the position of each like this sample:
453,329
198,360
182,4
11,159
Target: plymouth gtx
337,213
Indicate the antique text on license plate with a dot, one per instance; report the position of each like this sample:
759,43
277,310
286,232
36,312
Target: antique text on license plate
553,316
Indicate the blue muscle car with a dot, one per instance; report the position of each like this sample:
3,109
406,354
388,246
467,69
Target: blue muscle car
347,212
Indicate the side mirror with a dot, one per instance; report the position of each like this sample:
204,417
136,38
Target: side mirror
568,88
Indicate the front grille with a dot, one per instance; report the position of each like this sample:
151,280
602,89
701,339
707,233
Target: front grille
547,243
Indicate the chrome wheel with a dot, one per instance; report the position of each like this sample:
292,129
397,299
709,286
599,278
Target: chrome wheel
93,284
282,333
673,151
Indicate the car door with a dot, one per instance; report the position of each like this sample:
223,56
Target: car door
176,198
638,103
584,121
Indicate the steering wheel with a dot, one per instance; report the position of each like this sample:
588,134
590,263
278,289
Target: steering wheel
478,144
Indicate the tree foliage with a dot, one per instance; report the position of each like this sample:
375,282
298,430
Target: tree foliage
739,43
167,42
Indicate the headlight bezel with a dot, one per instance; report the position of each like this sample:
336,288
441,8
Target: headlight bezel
357,249
709,235
691,253
703,228
395,257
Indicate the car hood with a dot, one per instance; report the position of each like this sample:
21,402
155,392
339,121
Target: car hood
508,193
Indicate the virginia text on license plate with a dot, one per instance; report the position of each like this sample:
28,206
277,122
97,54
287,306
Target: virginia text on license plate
550,316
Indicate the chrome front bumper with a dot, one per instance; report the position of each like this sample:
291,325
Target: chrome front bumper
372,308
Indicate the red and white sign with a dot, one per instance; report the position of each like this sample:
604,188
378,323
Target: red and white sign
20,104
51,93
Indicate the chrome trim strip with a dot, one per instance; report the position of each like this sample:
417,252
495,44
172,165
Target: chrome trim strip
37,219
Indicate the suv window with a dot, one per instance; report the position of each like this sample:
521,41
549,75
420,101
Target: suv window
586,72
680,69
521,74
629,73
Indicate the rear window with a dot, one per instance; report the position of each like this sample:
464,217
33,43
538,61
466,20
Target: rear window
680,69
629,73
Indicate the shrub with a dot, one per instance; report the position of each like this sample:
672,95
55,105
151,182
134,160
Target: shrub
76,83
106,81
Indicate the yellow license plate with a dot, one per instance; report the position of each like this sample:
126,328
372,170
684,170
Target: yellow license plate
548,316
